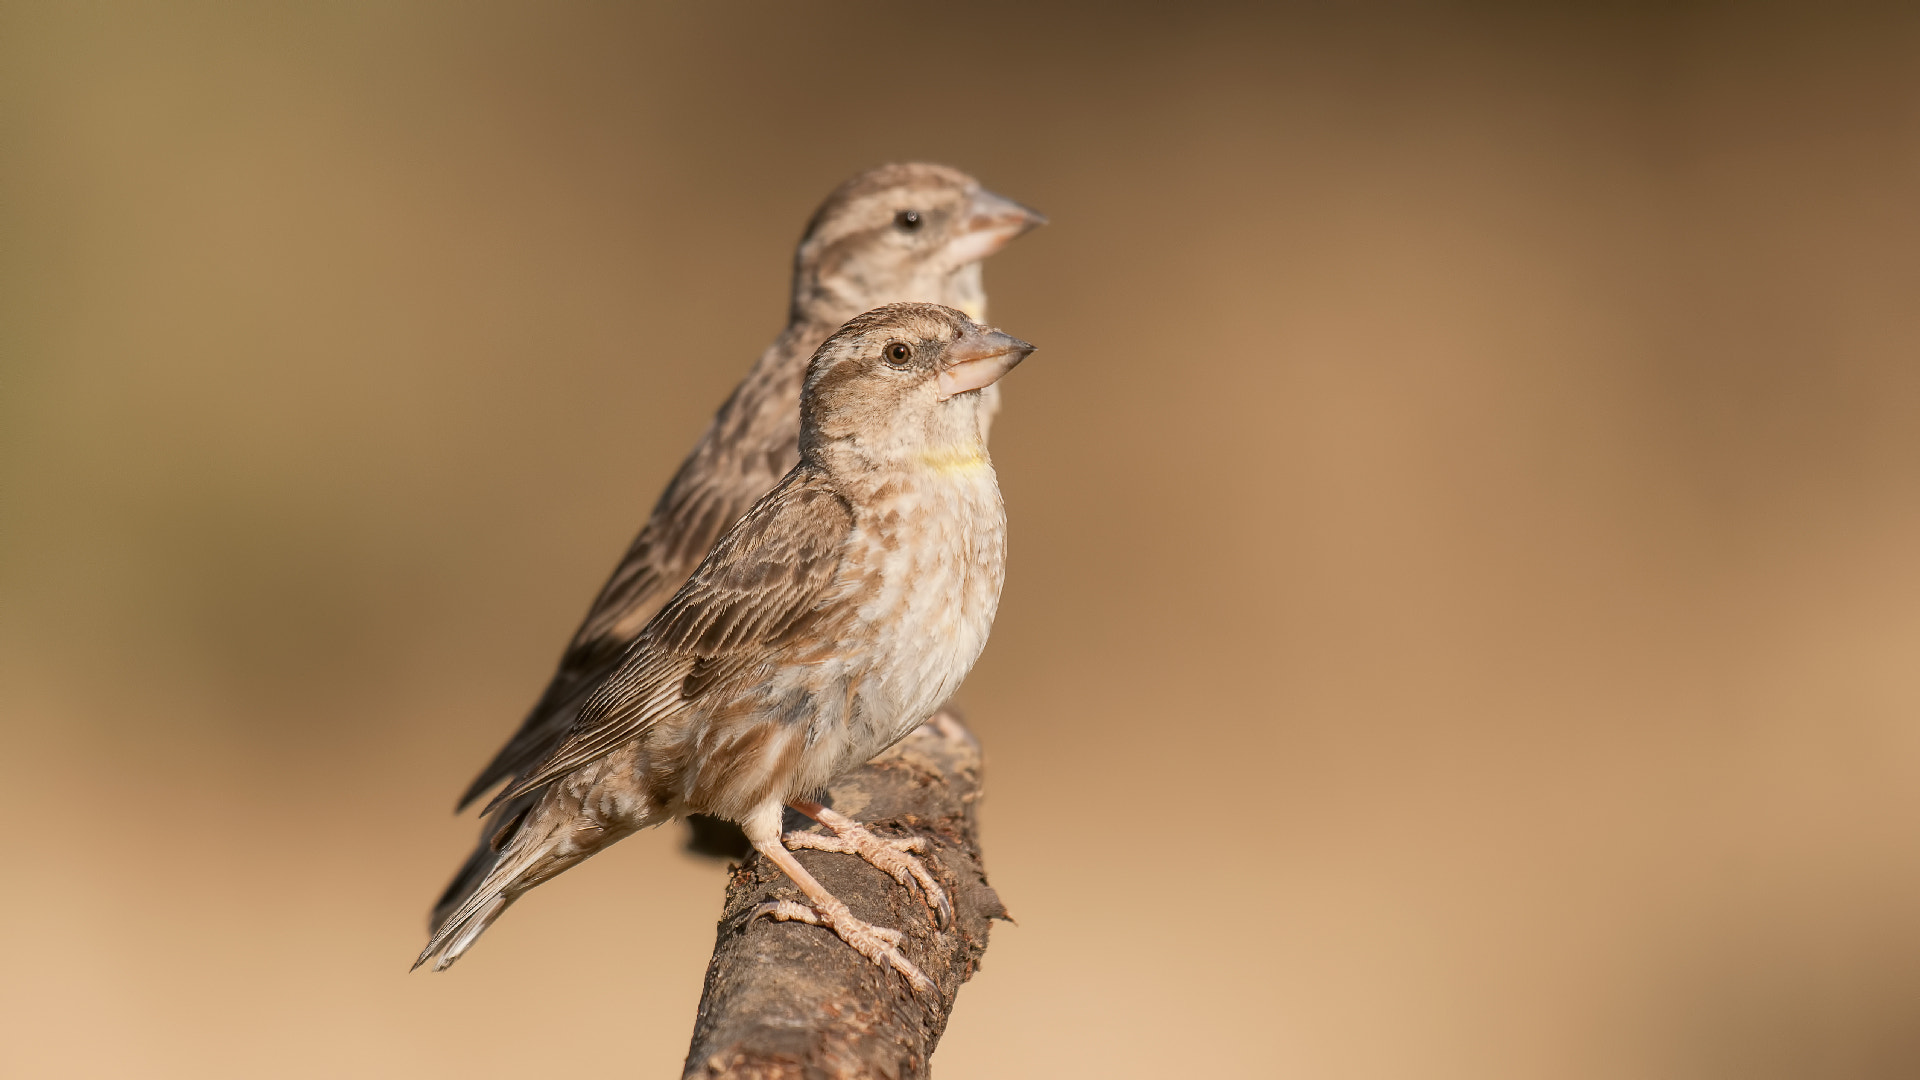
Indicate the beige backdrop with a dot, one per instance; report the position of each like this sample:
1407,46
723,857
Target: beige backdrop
1465,595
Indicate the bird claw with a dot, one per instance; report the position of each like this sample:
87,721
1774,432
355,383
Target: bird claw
787,911
877,943
894,857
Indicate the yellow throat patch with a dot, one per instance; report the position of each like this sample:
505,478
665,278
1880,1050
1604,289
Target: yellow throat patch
953,460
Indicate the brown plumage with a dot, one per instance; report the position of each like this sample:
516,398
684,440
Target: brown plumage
894,233
824,626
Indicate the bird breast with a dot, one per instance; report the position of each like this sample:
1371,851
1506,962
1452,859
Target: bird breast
932,545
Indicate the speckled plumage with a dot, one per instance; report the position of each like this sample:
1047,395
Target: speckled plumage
855,255
825,625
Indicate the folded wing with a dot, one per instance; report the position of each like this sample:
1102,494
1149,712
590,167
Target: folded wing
763,584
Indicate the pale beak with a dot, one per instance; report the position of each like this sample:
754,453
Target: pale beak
988,223
979,359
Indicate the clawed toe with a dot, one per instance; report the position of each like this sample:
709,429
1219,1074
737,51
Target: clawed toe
891,856
891,937
879,944
787,911
876,943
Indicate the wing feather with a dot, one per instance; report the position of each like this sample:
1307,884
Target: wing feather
688,514
760,587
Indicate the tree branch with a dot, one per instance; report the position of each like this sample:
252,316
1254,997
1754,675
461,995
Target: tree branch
786,1001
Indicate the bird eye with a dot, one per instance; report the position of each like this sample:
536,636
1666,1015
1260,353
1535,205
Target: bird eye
907,220
898,353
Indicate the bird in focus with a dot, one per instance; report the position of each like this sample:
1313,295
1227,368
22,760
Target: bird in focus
901,232
823,627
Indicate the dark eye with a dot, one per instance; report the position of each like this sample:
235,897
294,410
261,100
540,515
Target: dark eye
898,353
907,220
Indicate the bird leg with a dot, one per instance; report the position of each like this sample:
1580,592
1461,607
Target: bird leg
892,856
876,943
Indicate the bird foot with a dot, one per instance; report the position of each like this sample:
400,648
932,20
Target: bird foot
876,943
894,857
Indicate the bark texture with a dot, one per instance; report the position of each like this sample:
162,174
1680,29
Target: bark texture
786,1001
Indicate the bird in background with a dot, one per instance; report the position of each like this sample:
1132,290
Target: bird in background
827,624
900,232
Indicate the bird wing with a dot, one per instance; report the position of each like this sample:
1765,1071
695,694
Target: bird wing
760,586
689,517
728,469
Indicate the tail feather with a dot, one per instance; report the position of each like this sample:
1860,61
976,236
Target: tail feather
464,925
495,834
531,839
478,865
466,932
542,845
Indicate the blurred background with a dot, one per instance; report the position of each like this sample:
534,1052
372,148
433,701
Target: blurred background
1464,604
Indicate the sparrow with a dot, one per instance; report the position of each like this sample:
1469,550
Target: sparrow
824,626
894,233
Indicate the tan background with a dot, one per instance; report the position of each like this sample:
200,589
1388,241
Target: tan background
1465,599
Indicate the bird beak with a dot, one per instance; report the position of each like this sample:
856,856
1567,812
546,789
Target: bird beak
979,359
991,221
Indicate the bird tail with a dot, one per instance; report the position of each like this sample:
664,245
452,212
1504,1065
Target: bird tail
485,856
540,835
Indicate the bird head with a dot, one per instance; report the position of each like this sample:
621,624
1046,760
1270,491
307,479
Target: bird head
902,232
900,386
